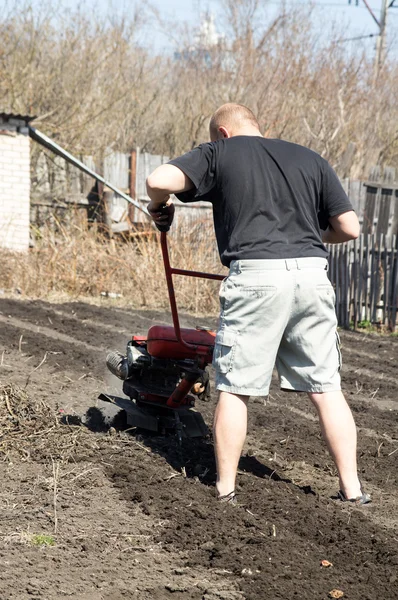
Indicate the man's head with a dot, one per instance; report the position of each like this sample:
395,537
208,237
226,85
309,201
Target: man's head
233,119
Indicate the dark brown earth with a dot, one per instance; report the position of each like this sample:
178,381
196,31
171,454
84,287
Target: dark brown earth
125,522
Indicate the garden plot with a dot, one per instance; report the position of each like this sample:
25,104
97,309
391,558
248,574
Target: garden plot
97,515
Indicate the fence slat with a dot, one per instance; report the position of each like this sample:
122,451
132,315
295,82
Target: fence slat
385,282
360,276
353,283
347,299
394,283
373,281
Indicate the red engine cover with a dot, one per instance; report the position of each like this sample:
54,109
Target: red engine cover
162,343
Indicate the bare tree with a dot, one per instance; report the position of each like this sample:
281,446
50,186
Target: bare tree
93,85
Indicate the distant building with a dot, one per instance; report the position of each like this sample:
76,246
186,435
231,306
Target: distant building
206,38
207,35
14,181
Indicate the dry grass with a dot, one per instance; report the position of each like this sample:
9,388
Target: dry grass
31,429
81,263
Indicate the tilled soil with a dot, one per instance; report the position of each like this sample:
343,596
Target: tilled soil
132,515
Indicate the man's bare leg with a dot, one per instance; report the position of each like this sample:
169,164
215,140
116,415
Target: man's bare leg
339,431
229,430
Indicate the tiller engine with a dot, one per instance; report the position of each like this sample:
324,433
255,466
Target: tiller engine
164,371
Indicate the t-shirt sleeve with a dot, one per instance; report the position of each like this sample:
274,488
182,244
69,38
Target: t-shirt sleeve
199,166
334,200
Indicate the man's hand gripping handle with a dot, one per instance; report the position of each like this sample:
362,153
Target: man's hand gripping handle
162,216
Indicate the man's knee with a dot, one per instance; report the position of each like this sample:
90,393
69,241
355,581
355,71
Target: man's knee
322,398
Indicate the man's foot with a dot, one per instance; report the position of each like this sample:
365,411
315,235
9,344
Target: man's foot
228,498
364,498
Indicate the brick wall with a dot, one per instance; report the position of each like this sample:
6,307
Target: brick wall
14,187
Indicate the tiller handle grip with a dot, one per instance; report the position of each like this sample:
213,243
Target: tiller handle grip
165,210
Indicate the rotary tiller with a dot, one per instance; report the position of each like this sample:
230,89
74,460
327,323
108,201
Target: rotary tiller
164,371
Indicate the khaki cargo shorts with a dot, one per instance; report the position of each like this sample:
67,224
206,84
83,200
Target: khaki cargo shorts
277,313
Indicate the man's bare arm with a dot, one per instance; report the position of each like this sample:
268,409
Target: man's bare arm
166,180
163,181
342,228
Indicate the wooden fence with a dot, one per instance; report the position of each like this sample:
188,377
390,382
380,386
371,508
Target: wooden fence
364,273
375,201
56,184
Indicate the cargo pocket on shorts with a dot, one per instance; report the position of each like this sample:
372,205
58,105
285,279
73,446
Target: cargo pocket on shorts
338,345
224,350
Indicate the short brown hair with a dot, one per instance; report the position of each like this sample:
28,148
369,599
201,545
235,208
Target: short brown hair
232,114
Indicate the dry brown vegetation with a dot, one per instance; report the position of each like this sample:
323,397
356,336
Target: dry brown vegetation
30,428
80,262
93,83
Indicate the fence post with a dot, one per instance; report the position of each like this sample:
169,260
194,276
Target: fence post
394,283
370,206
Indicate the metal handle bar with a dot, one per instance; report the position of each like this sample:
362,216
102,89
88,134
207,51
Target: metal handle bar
169,271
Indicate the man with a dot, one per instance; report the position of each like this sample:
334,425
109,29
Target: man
270,199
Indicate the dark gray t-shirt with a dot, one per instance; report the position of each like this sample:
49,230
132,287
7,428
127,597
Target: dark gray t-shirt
270,198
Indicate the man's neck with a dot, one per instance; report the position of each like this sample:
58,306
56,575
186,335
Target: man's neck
249,131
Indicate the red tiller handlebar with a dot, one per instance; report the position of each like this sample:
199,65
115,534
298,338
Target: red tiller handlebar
170,271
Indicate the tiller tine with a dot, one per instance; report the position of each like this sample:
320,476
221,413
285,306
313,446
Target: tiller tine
193,424
186,422
135,417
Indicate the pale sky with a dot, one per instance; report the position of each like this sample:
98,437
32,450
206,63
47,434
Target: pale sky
352,20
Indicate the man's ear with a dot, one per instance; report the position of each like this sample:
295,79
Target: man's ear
224,133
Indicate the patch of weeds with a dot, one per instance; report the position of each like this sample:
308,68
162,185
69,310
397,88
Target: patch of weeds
369,327
365,324
41,539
